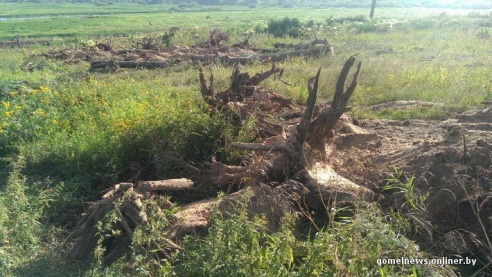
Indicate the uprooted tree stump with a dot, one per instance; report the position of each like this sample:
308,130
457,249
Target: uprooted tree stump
289,173
126,199
150,56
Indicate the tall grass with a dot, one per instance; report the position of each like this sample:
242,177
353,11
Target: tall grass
240,245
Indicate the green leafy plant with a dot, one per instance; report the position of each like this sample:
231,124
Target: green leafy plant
412,211
401,184
283,27
484,33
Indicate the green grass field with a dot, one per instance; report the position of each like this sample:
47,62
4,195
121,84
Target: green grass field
66,135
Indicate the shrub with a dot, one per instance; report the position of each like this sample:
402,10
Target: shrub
424,24
484,33
350,19
283,27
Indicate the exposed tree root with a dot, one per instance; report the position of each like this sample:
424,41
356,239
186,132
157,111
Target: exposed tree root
126,199
286,176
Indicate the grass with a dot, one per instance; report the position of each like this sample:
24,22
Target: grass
65,135
240,245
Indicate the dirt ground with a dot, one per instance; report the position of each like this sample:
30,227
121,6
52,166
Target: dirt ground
450,160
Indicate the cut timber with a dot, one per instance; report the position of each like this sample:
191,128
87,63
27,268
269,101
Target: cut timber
128,64
167,185
329,186
194,218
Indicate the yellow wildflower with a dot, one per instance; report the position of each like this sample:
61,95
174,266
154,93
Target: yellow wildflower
7,114
41,112
43,89
6,105
121,126
141,107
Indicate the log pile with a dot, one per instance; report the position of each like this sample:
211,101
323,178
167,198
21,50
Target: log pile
105,56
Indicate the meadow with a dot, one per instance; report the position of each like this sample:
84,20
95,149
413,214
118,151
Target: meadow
67,134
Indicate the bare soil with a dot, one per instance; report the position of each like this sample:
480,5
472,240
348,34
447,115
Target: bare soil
451,160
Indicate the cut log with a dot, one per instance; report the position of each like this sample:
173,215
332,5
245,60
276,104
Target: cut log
165,185
128,64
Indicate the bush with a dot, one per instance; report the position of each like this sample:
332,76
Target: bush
23,237
283,27
484,33
424,24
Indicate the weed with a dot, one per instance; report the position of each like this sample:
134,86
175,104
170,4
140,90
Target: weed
401,184
240,246
484,33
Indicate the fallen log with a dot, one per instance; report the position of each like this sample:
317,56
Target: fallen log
128,64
